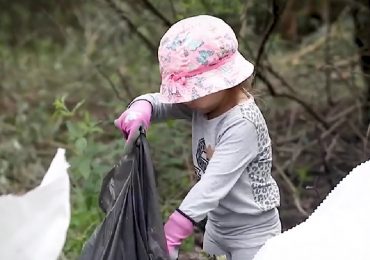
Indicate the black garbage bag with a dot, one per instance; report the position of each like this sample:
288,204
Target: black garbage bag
132,228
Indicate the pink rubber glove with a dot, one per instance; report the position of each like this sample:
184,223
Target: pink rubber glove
138,114
176,229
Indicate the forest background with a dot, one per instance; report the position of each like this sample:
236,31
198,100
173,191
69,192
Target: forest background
69,68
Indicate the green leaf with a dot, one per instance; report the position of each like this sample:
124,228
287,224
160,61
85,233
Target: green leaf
73,131
81,144
84,168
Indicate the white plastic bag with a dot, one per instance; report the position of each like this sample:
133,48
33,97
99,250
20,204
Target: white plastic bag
338,229
34,225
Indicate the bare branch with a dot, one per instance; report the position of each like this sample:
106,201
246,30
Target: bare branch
342,114
329,98
156,12
270,69
111,84
306,106
333,128
323,158
332,145
268,84
276,14
132,26
293,189
126,85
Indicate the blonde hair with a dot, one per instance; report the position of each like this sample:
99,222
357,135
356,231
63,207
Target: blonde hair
247,85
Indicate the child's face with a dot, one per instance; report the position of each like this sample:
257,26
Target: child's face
208,103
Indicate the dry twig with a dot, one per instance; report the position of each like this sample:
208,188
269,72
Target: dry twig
293,189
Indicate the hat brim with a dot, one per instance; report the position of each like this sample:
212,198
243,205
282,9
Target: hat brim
224,77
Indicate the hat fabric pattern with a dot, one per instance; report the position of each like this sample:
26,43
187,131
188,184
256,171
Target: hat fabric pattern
199,56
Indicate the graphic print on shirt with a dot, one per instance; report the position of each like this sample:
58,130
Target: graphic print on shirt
203,155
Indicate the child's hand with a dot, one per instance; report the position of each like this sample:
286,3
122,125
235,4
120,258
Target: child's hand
138,114
176,229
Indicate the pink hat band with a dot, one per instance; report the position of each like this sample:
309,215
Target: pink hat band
182,76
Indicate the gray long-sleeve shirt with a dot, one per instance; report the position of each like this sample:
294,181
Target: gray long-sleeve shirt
232,158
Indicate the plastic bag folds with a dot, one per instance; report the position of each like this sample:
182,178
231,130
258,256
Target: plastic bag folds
132,228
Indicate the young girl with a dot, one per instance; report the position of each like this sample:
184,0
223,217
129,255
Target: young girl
205,79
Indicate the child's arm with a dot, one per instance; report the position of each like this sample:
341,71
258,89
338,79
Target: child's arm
162,111
146,109
234,152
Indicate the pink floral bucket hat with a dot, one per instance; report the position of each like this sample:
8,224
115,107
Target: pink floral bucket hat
199,56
